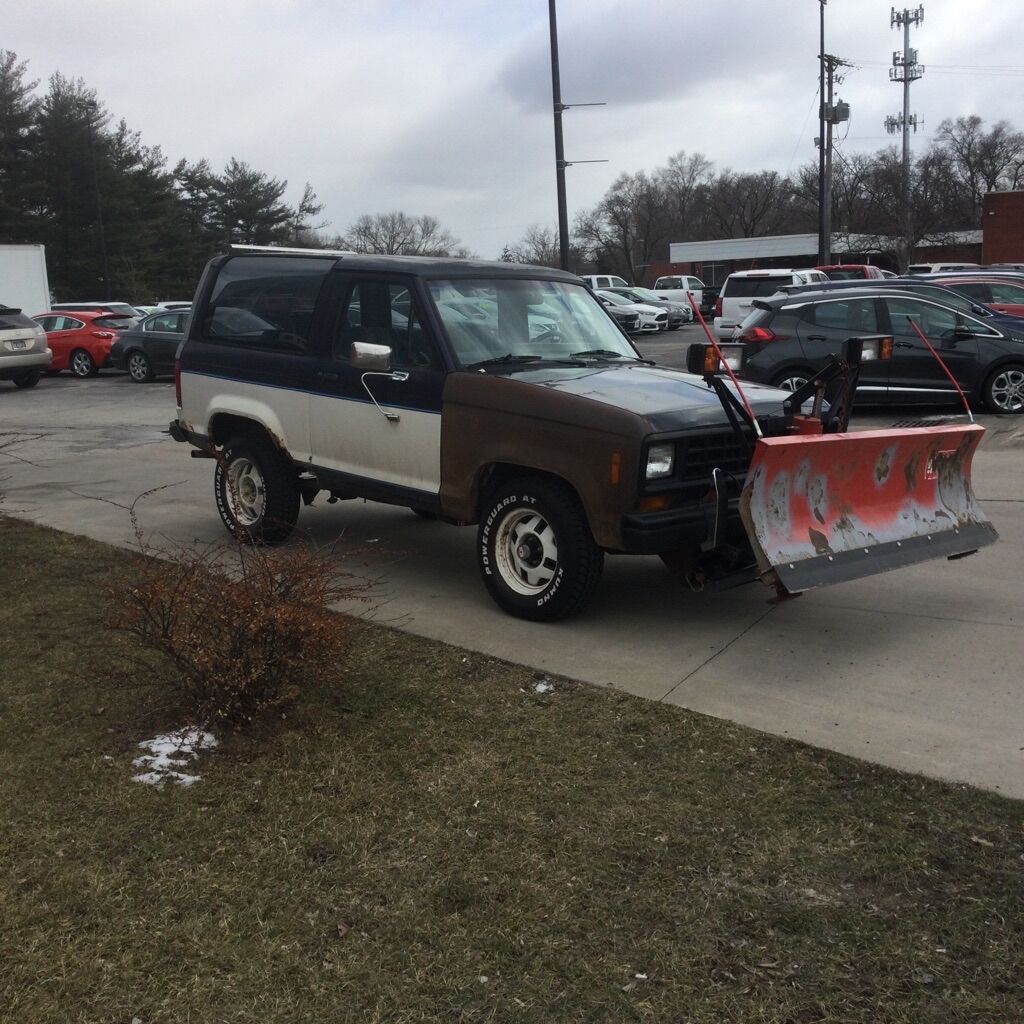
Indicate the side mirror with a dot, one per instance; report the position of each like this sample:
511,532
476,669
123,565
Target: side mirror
371,357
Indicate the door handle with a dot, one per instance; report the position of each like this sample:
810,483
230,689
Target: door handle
903,344
328,375
816,337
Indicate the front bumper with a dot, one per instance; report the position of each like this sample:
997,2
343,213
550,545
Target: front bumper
653,533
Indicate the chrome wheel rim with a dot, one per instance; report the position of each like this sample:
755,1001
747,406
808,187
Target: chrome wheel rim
246,492
792,383
138,367
526,552
81,364
1008,391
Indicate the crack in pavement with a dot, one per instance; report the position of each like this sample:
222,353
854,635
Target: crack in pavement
721,650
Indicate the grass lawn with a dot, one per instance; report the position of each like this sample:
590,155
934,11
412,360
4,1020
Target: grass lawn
429,839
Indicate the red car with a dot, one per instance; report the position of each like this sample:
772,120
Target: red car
80,339
1003,294
851,271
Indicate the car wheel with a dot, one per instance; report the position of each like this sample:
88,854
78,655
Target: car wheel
1004,390
139,368
27,380
257,491
792,379
536,554
82,364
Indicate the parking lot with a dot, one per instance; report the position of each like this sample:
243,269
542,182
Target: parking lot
918,669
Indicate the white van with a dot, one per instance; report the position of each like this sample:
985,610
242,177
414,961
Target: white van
739,290
675,289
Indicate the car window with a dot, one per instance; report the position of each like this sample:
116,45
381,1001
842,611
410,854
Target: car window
66,323
162,322
753,287
383,313
695,284
858,315
117,323
265,301
1003,291
669,282
978,292
46,322
946,296
935,321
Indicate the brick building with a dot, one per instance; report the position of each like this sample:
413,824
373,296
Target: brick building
1002,222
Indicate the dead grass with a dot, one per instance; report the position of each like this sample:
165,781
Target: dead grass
425,838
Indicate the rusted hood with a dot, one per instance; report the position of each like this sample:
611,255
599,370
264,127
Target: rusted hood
668,399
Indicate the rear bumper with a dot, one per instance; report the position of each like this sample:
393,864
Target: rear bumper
24,362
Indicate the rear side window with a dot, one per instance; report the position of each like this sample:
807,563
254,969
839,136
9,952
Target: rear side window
163,322
265,301
859,316
753,287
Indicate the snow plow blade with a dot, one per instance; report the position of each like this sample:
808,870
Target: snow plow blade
826,508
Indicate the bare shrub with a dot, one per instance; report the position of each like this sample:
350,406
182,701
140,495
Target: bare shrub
244,627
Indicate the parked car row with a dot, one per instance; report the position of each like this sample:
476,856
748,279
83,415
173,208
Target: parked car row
791,334
83,341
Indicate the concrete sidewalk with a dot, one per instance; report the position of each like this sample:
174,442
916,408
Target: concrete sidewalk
919,669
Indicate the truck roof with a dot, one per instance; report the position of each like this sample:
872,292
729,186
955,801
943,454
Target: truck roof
418,266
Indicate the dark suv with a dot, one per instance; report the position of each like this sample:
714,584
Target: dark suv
790,338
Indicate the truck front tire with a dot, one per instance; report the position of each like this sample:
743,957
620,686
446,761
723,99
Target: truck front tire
536,553
257,490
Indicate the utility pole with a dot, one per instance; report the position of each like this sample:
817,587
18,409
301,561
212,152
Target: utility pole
560,162
829,114
905,70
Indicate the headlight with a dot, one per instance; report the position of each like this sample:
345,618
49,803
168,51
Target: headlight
660,460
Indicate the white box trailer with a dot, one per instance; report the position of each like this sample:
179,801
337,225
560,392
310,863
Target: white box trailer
23,281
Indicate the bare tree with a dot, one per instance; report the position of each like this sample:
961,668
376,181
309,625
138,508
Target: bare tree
399,234
983,161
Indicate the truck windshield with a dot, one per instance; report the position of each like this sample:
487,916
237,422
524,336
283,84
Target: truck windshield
488,319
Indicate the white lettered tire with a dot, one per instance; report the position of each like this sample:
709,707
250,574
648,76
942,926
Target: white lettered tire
536,553
256,489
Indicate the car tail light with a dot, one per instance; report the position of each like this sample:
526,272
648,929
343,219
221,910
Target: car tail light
718,306
177,382
759,335
102,334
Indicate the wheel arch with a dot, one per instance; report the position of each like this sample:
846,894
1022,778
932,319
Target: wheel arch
225,425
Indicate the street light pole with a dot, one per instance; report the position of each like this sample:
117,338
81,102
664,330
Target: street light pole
824,242
556,97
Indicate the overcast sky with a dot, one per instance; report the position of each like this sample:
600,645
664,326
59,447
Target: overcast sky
444,106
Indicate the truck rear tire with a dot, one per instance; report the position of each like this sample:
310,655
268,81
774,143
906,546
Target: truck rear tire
257,490
536,553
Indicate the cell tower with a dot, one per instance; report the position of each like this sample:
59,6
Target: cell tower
905,69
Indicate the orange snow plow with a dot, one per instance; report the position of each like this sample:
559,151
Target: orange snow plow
825,508
821,504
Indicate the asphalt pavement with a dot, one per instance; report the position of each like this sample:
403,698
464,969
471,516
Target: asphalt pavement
919,669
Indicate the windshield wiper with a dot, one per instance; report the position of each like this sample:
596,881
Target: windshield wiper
608,353
511,359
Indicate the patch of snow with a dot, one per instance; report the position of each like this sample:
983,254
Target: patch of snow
544,686
169,753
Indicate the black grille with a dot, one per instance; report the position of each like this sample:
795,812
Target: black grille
700,454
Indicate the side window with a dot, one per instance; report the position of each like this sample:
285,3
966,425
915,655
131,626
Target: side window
265,302
384,313
46,322
164,322
694,284
978,292
857,316
67,323
934,321
1003,291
